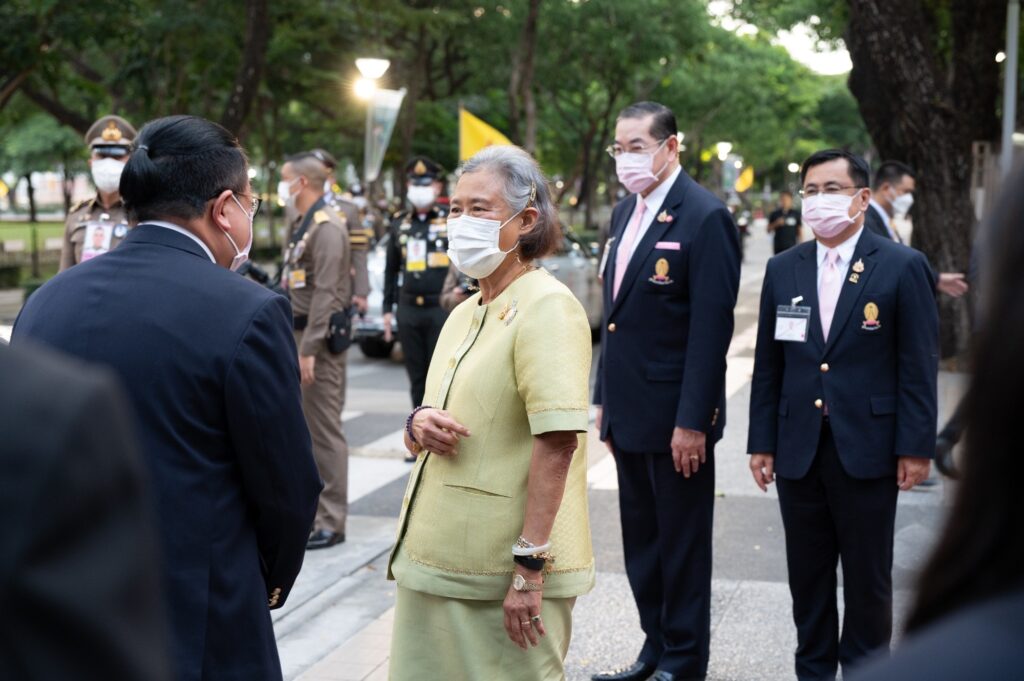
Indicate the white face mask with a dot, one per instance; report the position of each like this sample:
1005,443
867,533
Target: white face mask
423,197
902,204
473,245
106,174
284,189
240,255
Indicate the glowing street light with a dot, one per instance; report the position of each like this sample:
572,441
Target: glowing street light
372,69
793,168
364,88
723,150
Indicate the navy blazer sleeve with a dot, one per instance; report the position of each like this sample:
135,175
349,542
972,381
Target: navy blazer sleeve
272,443
714,282
918,347
766,385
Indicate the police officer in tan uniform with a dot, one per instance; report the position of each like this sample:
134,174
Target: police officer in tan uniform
359,235
98,224
318,275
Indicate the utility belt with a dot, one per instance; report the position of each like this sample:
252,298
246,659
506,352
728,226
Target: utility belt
339,329
426,300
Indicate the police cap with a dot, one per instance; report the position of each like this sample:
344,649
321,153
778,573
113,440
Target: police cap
111,136
420,170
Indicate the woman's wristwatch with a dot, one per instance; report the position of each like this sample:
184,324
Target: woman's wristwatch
519,583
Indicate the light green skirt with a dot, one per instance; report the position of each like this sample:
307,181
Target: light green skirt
453,639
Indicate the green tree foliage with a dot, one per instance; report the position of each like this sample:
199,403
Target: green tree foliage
148,58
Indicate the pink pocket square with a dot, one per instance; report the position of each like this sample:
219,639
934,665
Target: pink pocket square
667,246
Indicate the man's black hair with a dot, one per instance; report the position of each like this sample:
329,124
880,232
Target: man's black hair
858,169
663,125
891,172
178,164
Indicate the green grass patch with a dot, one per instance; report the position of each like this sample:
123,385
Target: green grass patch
22,231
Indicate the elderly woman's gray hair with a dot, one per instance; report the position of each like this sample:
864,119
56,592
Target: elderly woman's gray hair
524,186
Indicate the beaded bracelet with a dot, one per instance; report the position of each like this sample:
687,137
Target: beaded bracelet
408,423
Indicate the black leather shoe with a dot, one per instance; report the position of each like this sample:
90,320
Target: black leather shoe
321,539
638,671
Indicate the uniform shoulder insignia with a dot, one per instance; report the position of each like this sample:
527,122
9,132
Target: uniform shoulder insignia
399,215
320,216
80,205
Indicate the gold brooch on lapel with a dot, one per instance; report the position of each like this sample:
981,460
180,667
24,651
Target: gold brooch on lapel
508,313
858,268
871,322
661,273
663,216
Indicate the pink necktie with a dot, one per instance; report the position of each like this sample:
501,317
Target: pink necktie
626,248
828,291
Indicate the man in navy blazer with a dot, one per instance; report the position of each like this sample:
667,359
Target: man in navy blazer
842,410
211,370
671,276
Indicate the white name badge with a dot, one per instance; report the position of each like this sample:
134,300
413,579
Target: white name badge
791,323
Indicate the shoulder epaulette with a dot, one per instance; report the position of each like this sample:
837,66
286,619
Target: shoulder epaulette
81,204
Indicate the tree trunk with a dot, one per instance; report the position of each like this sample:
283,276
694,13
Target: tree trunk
250,71
919,109
522,104
31,191
67,185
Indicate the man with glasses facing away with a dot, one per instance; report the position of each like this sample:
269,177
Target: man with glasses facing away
671,275
210,367
842,410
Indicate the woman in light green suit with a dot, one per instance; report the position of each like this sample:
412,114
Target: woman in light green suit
494,540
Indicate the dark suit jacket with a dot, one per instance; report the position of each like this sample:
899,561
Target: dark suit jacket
980,643
663,366
875,223
79,580
211,368
879,382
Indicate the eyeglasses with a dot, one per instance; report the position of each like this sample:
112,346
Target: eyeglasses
614,150
254,206
828,190
256,203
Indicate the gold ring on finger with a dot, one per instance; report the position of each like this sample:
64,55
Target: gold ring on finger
524,623
694,458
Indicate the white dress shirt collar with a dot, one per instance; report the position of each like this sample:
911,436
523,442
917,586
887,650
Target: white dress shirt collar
181,230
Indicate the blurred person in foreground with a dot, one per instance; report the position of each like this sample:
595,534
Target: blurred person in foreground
211,369
842,410
494,540
80,587
968,618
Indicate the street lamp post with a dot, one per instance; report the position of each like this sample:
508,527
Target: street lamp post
371,70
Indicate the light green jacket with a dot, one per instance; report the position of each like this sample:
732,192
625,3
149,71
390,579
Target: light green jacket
510,370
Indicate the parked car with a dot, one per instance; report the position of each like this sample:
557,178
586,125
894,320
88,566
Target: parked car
574,265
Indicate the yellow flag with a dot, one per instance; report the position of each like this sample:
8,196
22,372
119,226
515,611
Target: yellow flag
746,179
474,135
